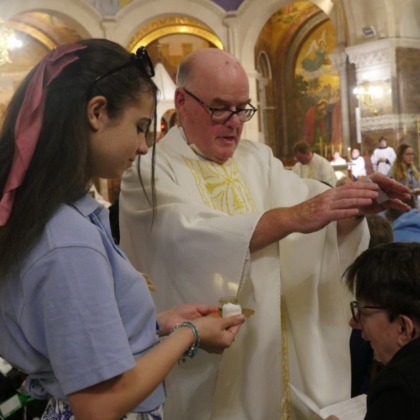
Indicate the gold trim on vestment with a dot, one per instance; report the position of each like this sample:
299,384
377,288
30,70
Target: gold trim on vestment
221,186
286,404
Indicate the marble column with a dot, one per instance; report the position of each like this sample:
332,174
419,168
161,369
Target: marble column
108,25
232,22
262,106
339,62
251,128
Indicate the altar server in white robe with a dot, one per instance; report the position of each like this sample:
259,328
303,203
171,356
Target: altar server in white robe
383,157
231,220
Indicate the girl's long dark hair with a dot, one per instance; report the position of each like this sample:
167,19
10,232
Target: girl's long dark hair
61,168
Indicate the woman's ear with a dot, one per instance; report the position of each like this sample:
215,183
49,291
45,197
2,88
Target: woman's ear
406,330
97,112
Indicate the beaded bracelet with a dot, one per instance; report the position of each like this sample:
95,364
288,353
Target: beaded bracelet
193,350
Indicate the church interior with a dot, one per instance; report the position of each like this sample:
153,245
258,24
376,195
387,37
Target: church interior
338,74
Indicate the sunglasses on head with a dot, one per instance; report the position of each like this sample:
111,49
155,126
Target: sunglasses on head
140,59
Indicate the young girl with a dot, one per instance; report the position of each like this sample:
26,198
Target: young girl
405,172
74,314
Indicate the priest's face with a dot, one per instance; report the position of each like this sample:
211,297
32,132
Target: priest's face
201,103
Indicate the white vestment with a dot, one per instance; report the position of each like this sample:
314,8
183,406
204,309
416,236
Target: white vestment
338,161
318,168
358,167
383,167
198,251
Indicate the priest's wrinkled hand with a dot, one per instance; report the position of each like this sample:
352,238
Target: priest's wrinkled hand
313,214
396,192
335,204
350,200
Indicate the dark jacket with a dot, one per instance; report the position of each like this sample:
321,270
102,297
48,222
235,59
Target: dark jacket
395,392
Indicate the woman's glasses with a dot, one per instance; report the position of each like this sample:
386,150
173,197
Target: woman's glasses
355,309
140,59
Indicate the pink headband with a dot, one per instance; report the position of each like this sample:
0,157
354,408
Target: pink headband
29,121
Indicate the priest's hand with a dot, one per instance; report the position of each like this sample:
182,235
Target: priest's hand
348,201
396,192
344,202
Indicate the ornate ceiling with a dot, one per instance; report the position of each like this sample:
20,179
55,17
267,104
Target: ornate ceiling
40,32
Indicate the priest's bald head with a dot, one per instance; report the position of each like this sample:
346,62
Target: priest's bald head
212,101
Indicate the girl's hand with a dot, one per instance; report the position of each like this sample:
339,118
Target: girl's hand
188,312
218,333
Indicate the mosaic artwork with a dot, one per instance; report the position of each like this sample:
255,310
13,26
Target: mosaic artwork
317,89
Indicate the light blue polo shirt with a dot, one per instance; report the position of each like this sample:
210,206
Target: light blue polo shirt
79,313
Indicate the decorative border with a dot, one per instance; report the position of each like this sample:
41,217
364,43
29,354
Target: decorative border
172,25
378,53
371,54
389,122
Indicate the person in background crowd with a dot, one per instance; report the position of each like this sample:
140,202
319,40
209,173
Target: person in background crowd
383,157
311,165
357,165
404,171
406,226
337,159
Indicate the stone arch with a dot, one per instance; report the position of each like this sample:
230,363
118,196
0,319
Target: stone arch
264,86
138,13
264,66
253,19
172,25
80,15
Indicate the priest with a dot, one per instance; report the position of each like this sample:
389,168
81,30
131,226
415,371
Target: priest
230,220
